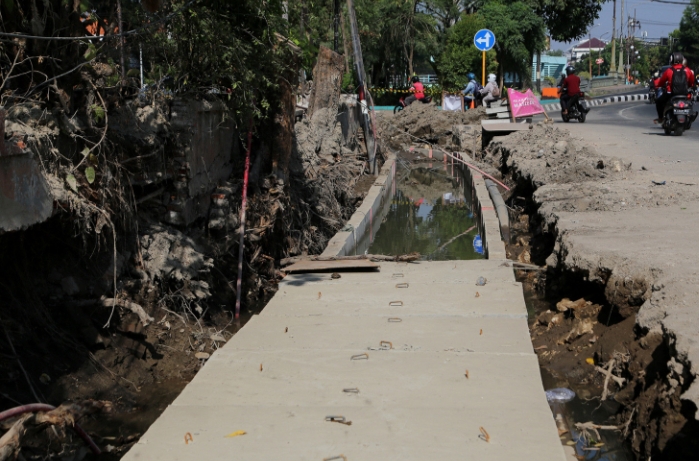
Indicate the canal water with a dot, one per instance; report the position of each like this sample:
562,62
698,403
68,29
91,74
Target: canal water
430,213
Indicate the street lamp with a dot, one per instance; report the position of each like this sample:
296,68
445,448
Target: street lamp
599,55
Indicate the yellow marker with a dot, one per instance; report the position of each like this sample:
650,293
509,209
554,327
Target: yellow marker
590,360
235,434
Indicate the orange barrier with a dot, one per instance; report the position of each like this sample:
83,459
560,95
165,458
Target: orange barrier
549,93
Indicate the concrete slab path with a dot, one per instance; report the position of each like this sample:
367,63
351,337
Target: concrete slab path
440,370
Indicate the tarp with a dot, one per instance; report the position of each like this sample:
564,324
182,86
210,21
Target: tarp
453,102
524,104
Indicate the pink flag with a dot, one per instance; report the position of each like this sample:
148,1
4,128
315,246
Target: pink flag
524,104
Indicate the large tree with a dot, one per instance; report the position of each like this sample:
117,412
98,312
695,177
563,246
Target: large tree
520,32
688,33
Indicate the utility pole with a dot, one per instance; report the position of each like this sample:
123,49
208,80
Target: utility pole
589,54
612,68
620,69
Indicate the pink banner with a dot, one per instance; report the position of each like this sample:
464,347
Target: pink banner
524,104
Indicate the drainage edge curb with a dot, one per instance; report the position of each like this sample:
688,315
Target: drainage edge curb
344,242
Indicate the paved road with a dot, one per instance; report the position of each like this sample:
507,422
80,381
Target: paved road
626,130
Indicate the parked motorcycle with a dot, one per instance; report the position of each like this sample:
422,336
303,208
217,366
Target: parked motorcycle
401,103
651,93
679,115
576,109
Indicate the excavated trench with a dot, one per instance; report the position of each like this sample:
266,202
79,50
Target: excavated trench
582,320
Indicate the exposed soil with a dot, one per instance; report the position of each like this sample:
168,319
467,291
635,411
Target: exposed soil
585,318
58,276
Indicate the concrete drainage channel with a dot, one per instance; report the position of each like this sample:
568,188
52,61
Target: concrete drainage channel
408,361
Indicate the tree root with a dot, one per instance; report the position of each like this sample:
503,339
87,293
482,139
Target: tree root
37,417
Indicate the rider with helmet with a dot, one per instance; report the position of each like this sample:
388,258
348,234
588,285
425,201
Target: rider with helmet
570,87
418,91
471,89
491,92
675,81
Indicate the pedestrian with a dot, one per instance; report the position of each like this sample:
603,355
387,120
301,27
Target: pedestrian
491,92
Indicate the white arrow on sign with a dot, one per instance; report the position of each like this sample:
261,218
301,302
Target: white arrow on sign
485,39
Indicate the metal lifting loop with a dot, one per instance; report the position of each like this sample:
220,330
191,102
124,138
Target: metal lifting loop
363,356
395,303
395,320
383,345
402,285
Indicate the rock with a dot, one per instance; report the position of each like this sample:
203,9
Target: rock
202,355
565,304
525,257
70,286
580,328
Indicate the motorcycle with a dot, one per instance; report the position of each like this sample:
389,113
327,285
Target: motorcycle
401,103
679,115
576,109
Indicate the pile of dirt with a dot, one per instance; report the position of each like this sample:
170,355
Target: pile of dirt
426,122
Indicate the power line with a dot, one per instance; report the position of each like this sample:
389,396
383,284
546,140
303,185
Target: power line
671,2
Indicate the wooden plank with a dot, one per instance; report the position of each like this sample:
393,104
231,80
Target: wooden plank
336,266
497,109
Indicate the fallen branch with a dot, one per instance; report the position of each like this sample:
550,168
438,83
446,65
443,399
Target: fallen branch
133,307
38,416
454,238
411,257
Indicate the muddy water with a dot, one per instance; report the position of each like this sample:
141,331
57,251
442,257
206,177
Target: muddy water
428,214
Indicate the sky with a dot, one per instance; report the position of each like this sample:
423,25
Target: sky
657,19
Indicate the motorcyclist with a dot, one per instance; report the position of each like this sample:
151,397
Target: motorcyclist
570,87
491,92
670,77
418,90
471,89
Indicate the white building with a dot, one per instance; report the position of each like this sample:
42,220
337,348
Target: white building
594,45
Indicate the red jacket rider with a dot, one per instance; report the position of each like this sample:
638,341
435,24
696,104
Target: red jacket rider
665,80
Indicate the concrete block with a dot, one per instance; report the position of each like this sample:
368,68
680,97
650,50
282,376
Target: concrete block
423,334
492,300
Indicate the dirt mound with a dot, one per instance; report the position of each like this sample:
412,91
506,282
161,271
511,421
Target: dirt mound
427,122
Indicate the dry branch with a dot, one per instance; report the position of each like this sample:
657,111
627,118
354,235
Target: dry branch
133,307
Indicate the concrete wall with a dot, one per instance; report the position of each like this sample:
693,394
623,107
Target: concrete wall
364,220
24,194
206,148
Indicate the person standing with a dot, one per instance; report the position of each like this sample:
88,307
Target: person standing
471,89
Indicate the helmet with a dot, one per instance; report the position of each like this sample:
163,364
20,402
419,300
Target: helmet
656,74
492,77
676,58
570,70
415,79
471,76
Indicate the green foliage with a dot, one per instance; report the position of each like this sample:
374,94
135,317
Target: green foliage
568,20
460,56
557,53
218,44
688,33
520,33
584,75
97,112
90,174
550,81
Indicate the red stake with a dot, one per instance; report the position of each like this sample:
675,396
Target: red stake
239,285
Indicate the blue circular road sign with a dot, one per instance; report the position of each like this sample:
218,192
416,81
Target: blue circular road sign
484,40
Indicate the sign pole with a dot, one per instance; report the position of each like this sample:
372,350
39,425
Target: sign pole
483,79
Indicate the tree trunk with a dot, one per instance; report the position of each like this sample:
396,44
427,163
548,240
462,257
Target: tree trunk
327,82
284,130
